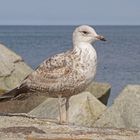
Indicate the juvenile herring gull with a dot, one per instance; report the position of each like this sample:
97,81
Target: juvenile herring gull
62,75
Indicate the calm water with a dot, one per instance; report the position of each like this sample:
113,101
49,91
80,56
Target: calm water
118,58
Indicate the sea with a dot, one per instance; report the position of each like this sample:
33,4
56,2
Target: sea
118,57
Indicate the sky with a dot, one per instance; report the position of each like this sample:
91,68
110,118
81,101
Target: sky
69,12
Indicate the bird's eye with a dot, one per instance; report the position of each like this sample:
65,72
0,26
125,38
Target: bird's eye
85,32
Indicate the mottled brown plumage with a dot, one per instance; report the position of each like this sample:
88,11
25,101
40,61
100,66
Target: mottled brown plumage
57,75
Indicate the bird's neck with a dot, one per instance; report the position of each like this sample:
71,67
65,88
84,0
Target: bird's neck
84,48
86,54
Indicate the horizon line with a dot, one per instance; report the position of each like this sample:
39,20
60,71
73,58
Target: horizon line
69,24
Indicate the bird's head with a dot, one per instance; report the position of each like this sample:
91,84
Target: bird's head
87,34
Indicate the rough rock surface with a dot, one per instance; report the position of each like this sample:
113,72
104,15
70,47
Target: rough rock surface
25,128
12,69
84,109
100,90
125,112
21,106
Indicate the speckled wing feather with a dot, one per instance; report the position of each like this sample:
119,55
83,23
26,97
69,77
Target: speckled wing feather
57,75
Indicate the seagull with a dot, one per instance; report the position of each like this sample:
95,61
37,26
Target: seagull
62,75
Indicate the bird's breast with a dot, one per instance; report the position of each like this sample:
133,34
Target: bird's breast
87,61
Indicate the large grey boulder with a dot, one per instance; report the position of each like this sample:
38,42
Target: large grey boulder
125,112
100,90
12,69
84,109
22,106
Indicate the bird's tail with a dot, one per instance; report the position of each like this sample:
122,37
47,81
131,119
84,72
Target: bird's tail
11,94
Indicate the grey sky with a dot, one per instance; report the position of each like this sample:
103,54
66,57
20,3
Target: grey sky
95,12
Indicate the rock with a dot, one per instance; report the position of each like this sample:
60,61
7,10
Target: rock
12,71
21,106
27,128
100,90
125,112
12,68
84,109
2,91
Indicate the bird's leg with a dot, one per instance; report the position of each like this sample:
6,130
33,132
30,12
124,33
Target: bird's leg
67,109
60,109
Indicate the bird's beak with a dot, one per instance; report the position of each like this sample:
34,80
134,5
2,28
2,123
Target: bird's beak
100,37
